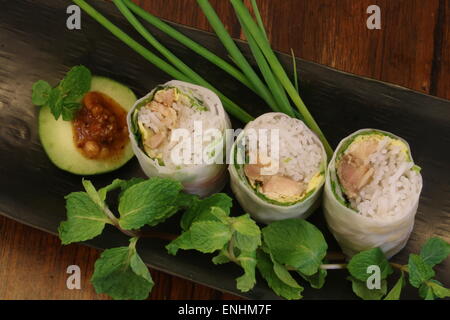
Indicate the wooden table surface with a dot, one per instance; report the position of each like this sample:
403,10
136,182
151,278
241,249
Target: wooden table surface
412,49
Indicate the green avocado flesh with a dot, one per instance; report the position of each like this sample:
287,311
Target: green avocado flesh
57,135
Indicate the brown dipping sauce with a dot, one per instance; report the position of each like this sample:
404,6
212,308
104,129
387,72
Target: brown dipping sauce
100,127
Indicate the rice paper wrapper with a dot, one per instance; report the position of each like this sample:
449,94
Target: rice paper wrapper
264,211
202,179
355,232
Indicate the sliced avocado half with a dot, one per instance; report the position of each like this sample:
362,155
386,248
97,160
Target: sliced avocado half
57,135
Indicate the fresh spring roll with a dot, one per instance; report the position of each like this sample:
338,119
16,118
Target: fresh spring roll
283,178
372,192
178,131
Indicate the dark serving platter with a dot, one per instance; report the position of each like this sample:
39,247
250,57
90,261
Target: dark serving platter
35,44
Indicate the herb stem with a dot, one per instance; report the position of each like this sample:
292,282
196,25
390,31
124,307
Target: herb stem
231,255
110,215
335,266
399,266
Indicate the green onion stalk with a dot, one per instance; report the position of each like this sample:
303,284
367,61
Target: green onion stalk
230,106
237,55
189,43
255,30
272,81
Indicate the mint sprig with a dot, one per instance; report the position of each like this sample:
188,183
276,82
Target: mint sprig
285,253
209,228
64,99
120,272
419,272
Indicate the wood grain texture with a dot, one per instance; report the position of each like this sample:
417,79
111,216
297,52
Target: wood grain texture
412,49
33,266
441,61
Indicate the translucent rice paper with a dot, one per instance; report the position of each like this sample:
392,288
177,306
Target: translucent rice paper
202,179
263,211
355,232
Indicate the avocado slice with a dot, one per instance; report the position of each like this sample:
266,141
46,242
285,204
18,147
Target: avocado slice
57,135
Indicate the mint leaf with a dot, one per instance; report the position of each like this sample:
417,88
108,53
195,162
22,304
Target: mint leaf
69,110
419,271
434,251
221,257
201,209
265,267
426,292
41,92
284,275
125,184
317,280
118,183
122,274
76,82
438,289
247,234
296,243
55,102
148,202
93,194
215,214
247,261
361,290
66,97
85,219
396,290
360,262
185,200
203,236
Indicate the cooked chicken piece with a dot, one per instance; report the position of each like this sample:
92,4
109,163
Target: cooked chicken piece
157,107
253,172
363,149
354,170
170,118
165,97
167,115
282,187
156,139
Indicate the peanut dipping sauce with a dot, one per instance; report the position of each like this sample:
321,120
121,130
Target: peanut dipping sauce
100,129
